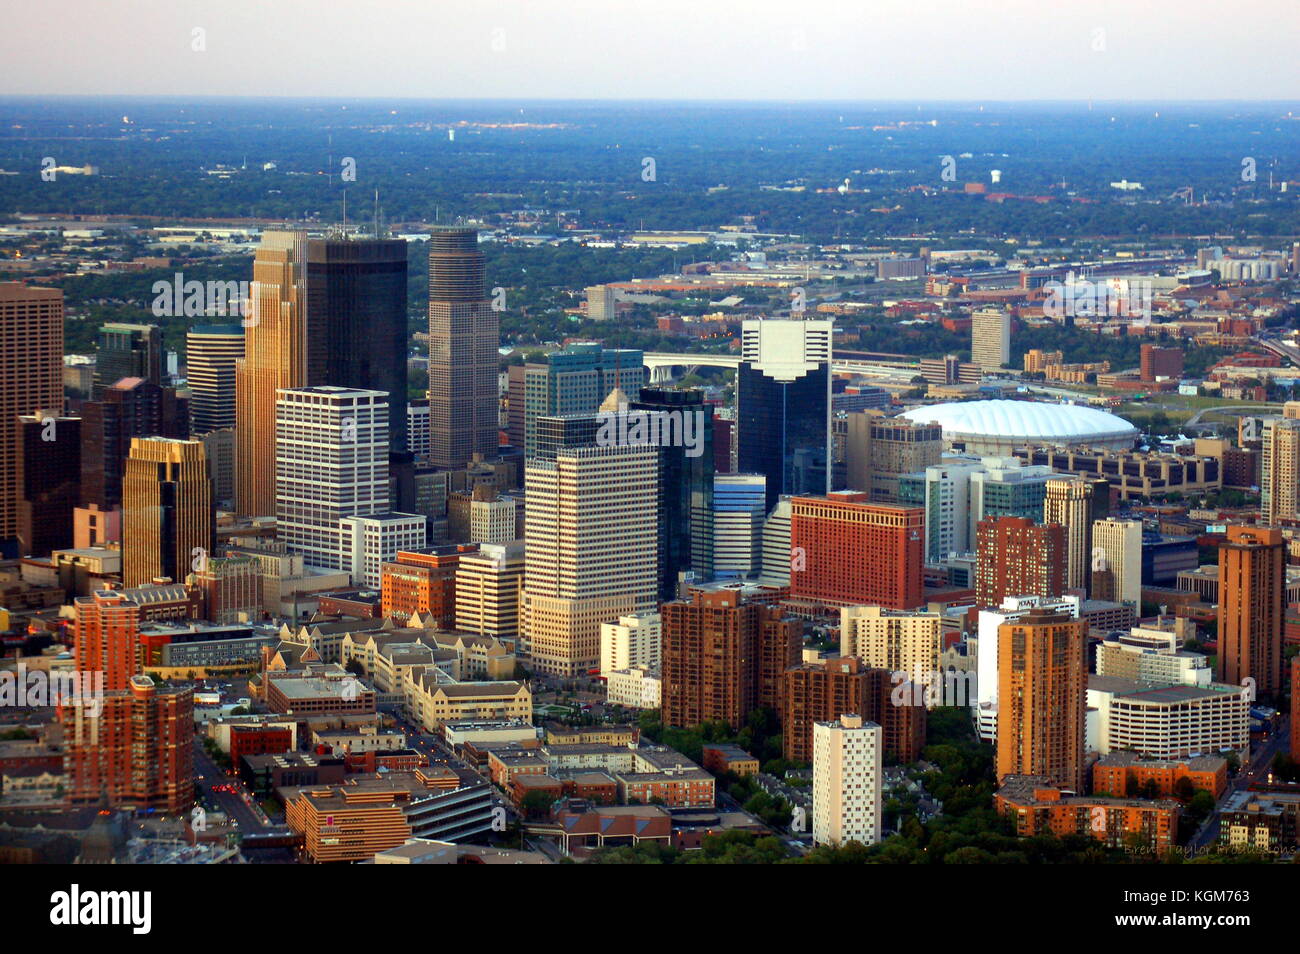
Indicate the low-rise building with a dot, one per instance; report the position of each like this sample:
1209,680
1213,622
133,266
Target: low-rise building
1037,807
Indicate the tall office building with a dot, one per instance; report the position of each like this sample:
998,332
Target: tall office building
128,351
1117,560
212,354
488,583
685,484
602,303
356,320
846,781
776,544
31,380
739,503
990,331
464,338
1042,693
275,357
846,551
879,450
591,534
331,462
576,380
944,492
166,510
1252,601
1279,471
1017,557
49,467
723,654
783,404
129,408
897,641
1073,502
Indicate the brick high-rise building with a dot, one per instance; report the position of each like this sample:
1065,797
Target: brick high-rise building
823,691
1295,707
1017,557
846,551
1157,362
1279,471
724,656
137,751
1042,693
106,634
1252,602
423,582
879,450
31,379
464,335
167,516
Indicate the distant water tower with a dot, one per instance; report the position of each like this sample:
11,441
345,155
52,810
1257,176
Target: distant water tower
996,176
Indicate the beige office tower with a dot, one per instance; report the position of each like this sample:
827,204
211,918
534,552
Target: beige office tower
591,550
878,450
990,338
167,522
888,639
31,379
846,781
1279,471
275,357
1117,551
488,583
1069,502
602,304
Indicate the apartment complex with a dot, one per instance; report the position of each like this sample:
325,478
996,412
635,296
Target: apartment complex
846,781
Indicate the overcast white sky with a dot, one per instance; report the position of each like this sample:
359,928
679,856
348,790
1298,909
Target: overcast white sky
656,49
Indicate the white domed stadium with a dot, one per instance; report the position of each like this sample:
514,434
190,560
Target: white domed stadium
998,427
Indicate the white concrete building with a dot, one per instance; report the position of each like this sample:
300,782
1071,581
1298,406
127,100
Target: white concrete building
635,688
1166,722
632,641
846,781
370,542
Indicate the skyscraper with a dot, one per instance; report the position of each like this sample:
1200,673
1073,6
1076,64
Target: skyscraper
331,462
685,486
356,320
128,351
126,409
1017,557
739,502
1117,560
879,450
275,357
591,541
49,448
212,354
783,402
990,331
846,781
464,338
575,380
846,551
166,510
1042,693
1073,502
31,379
1279,471
1252,600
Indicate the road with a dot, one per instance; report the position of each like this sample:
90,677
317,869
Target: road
235,807
1195,419
1261,760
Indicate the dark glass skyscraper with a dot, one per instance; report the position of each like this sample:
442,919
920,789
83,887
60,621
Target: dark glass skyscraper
464,337
685,484
128,351
356,320
783,423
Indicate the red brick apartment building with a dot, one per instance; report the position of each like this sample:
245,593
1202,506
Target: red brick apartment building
846,551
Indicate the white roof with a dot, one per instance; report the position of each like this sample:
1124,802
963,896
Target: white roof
1037,419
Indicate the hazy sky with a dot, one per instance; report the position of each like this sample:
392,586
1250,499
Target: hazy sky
656,49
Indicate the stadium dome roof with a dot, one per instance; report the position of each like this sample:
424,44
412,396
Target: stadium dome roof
1020,422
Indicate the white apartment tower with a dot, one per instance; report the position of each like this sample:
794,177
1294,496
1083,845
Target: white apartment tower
846,781
990,338
632,641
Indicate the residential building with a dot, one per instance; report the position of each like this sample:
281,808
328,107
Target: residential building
846,781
